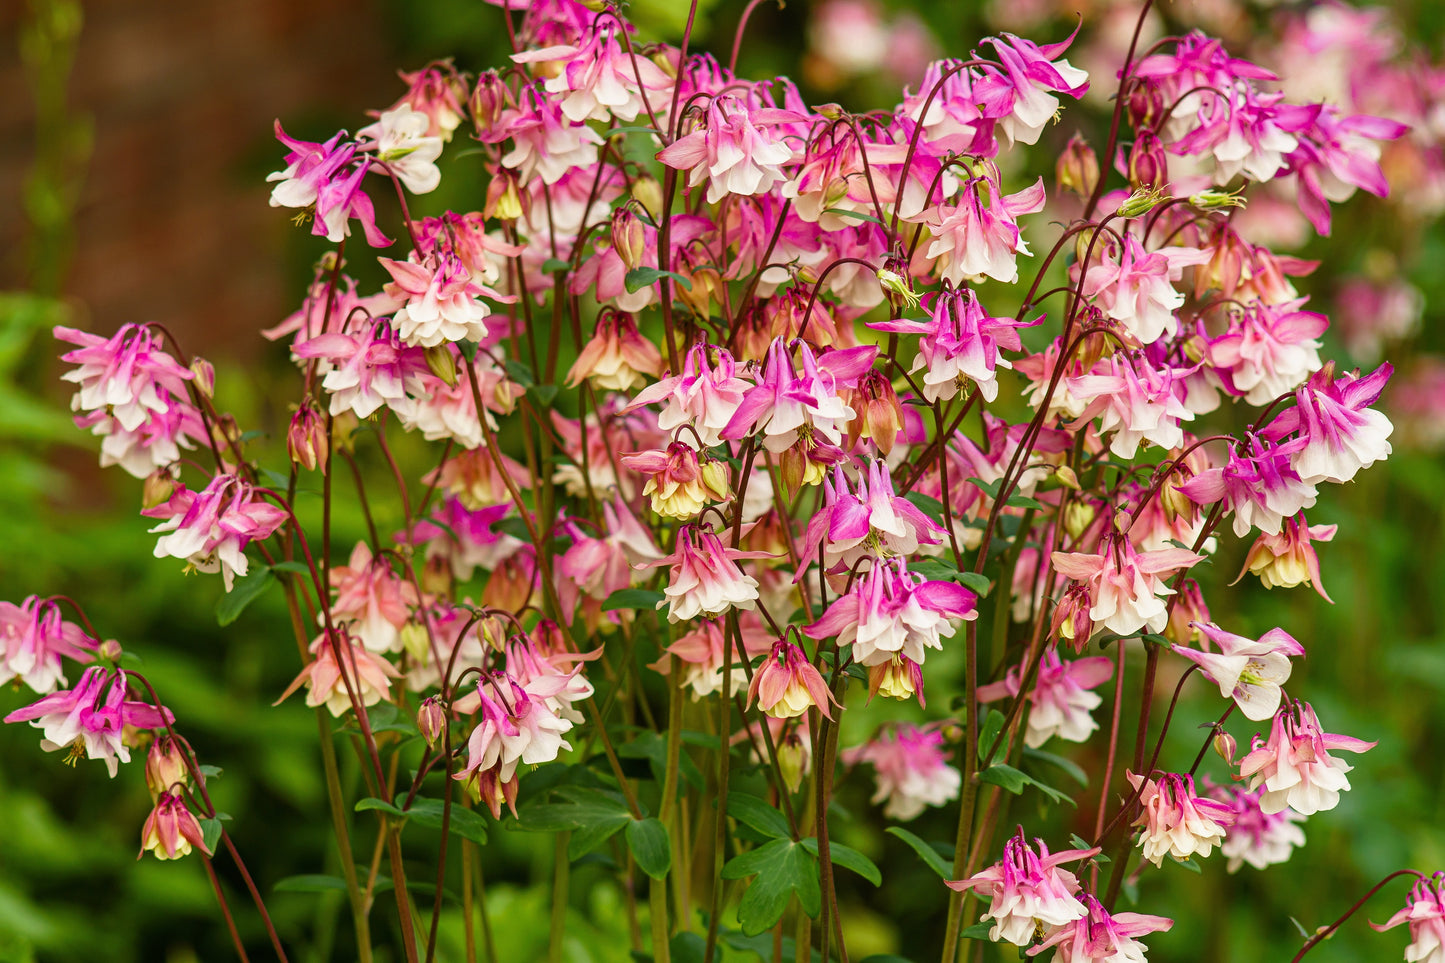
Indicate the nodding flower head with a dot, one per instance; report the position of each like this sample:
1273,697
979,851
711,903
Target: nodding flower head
787,684
1028,889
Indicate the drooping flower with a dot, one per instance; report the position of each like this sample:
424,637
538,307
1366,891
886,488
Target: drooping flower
1136,401
1268,350
1101,936
892,611
1295,766
704,578
1126,585
367,369
958,342
1258,484
1176,820
678,484
617,356
1249,672
1424,911
910,768
705,396
1256,837
739,149
1028,889
170,830
785,405
866,519
598,79
439,300
405,148
1033,76
1341,433
90,720
1288,558
1138,291
517,726
210,529
1062,702
787,684
327,683
979,236
130,376
33,640
702,652
372,600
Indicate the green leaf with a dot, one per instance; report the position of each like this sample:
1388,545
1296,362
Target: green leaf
925,851
988,732
592,815
842,212
542,394
783,869
245,591
310,883
976,581
647,838
554,264
848,858
465,823
1005,776
1079,842
652,746
1073,769
928,505
293,566
632,598
978,931
210,831
639,278
1189,864
753,812
211,772
381,805
520,373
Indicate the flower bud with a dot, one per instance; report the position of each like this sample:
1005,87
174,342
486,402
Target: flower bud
1067,478
896,287
1078,516
171,831
1148,164
1188,609
110,651
715,480
794,469
416,641
1225,745
205,377
431,719
442,363
165,767
436,576
306,441
898,678
628,238
225,432
503,200
343,431
647,192
1142,201
157,488
1213,200
1077,169
793,760
489,98
1072,622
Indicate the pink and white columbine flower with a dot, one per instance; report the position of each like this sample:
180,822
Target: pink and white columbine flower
910,768
740,149
1126,586
705,396
1295,767
1341,433
365,370
702,653
404,148
597,77
1138,289
1256,837
210,529
617,356
787,685
979,236
157,443
439,300
704,578
546,144
1259,485
1032,76
517,726
1289,558
959,341
1101,936
1269,349
1424,911
891,611
170,831
867,520
1137,401
370,675
1028,889
316,178
372,600
34,639
678,484
467,539
129,376
1062,703
785,405
89,720
1249,672
1177,821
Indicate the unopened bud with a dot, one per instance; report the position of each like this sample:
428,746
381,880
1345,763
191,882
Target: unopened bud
896,286
1225,745
1067,478
431,719
306,440
489,98
1148,164
628,238
416,641
157,488
443,363
1216,200
793,759
204,377
110,651
1077,169
225,432
503,200
1078,516
165,767
795,465
715,479
647,192
343,430
436,576
1142,202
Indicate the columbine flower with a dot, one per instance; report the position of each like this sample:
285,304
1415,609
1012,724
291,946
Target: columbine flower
33,640
1061,699
959,341
678,484
1136,401
1256,837
1126,585
617,356
1289,559
1341,433
1249,672
1258,484
370,676
129,375
910,767
787,684
516,726
598,77
598,566
1103,936
1031,74
365,370
1267,351
704,396
170,830
1138,289
704,579
739,150
702,650
898,678
1177,821
1028,890
372,600
1425,912
868,520
210,529
785,405
165,767
404,147
90,719
979,237
1295,767
439,301
891,611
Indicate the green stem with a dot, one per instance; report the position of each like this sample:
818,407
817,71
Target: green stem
561,869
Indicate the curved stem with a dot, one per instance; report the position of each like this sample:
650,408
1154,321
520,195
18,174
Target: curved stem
1324,933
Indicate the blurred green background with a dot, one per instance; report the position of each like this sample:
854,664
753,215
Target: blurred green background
137,193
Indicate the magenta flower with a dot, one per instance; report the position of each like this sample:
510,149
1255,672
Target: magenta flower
1126,586
1424,911
1254,836
740,149
129,375
785,405
1336,154
910,768
1102,936
1176,820
787,685
341,199
517,727
1259,485
705,396
364,370
867,520
89,720
309,167
546,144
617,356
1341,433
1268,350
958,341
1034,76
1295,767
1136,401
1028,889
979,236
1138,289
891,611
210,529
1062,702
466,538
34,639
598,80
440,301
170,830
704,579
1249,672
702,651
